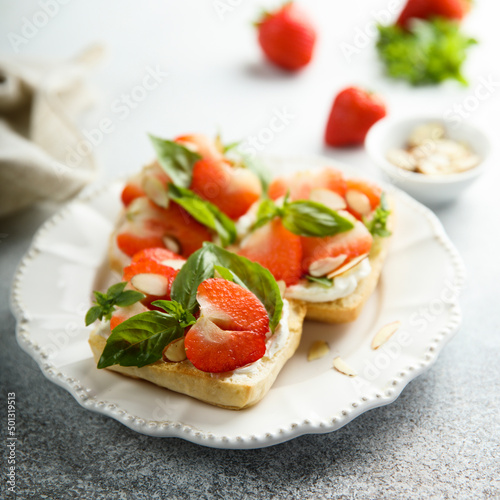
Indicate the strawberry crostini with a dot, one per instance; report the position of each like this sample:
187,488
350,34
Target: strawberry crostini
214,327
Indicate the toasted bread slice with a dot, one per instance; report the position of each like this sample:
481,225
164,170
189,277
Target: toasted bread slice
234,391
348,308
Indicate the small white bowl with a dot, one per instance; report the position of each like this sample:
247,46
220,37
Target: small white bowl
391,133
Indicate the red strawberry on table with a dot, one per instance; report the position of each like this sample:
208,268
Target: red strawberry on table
231,330
351,244
232,190
353,113
426,9
277,249
287,37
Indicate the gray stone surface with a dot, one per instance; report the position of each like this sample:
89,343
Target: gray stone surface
440,439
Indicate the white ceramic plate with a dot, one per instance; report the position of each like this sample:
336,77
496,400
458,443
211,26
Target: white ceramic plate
419,287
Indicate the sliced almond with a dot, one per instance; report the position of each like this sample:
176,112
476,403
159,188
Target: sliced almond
173,263
463,164
402,159
358,202
172,244
349,265
318,349
426,132
322,267
155,190
384,334
150,284
328,198
341,366
175,351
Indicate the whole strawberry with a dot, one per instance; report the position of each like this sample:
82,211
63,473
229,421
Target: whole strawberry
353,113
426,9
287,37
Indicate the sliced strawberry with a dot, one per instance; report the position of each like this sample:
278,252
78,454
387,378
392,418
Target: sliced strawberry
202,145
277,249
130,243
214,350
156,254
368,189
300,184
177,224
130,192
231,330
232,190
231,306
357,241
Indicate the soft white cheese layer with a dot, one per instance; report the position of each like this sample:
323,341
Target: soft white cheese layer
343,285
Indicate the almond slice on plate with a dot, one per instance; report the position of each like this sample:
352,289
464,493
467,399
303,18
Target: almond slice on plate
150,284
322,267
358,201
318,349
328,198
384,334
349,265
341,366
175,351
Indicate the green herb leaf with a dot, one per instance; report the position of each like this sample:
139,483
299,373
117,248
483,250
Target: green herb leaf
105,302
266,212
128,297
140,340
259,169
255,277
308,218
199,267
430,52
93,314
229,275
204,212
326,282
377,223
185,318
176,160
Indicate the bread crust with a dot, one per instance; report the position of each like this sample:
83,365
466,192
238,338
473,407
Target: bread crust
221,390
348,308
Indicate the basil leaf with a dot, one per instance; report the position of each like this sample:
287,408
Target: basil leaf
199,267
115,290
128,297
173,308
176,160
308,218
106,302
228,275
377,224
204,212
326,282
140,340
92,315
255,277
429,52
266,212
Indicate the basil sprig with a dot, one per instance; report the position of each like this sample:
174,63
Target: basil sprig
176,160
204,212
140,340
106,302
304,218
377,223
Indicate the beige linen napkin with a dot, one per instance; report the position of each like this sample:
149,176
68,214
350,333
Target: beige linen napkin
38,138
